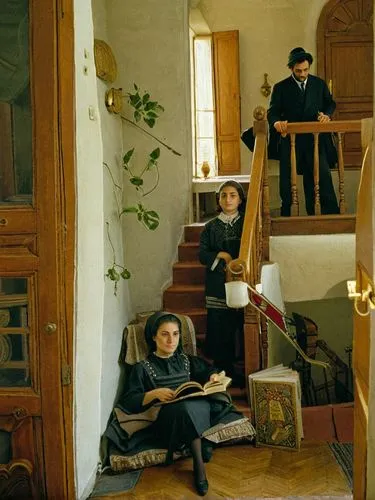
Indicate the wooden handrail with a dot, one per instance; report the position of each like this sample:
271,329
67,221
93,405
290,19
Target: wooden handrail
317,127
253,199
255,229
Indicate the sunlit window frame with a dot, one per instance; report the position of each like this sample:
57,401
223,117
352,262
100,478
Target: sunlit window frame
197,173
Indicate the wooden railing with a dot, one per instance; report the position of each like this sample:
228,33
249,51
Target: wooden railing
316,128
254,250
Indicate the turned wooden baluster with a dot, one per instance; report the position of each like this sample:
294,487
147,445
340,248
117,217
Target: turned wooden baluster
342,203
317,208
294,210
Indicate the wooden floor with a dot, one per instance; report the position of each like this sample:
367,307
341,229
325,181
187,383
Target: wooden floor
243,471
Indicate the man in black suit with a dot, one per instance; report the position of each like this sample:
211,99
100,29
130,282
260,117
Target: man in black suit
299,98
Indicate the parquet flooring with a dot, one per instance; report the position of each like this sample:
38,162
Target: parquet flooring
244,472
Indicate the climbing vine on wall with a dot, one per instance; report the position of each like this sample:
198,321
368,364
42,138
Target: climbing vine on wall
148,110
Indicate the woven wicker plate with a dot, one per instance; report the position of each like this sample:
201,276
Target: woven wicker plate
105,62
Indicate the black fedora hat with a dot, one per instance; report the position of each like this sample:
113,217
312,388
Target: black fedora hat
298,55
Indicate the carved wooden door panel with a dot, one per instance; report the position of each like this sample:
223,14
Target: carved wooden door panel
364,321
32,448
345,61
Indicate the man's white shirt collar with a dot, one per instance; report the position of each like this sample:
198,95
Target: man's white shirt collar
299,83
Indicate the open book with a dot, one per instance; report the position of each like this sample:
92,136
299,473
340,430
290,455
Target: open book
275,399
192,389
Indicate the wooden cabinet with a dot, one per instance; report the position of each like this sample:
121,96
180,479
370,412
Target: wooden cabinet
35,231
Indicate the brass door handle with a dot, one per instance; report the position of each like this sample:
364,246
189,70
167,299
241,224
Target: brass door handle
50,328
366,296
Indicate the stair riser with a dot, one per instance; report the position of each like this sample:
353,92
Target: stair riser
200,323
192,233
189,276
188,253
199,320
184,300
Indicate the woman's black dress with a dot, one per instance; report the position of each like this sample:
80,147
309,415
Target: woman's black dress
178,423
224,335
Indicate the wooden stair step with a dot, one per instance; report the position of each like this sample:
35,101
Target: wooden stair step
313,224
197,316
184,298
188,251
193,231
189,272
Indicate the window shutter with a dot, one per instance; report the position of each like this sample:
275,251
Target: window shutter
227,95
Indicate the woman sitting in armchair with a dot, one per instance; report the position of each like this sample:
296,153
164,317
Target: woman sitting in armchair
154,380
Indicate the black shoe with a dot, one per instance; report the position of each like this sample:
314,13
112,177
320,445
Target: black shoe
201,487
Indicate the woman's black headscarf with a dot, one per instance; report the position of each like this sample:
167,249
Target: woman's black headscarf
153,324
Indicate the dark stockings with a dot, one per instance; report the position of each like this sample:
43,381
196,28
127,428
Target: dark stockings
198,464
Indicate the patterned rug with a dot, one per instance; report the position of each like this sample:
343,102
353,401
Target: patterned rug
114,483
343,453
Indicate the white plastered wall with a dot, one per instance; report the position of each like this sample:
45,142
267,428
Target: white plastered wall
89,263
100,315
151,43
313,271
117,312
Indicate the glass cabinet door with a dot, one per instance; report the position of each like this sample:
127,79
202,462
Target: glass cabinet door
16,156
14,333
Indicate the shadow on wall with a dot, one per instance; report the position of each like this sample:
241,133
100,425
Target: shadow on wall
338,290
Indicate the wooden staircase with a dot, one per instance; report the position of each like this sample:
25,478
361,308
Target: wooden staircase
186,294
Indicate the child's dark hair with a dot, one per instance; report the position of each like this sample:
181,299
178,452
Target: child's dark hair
240,191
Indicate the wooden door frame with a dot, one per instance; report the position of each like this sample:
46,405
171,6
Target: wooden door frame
56,221
66,106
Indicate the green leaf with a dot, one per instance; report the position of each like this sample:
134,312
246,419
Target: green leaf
135,86
151,114
150,122
128,210
151,219
135,99
136,181
155,154
127,156
159,108
138,105
151,105
151,224
125,274
139,215
154,214
146,97
112,274
137,116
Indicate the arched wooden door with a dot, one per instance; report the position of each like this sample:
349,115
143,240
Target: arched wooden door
345,62
36,249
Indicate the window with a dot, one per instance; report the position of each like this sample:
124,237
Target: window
216,103
204,116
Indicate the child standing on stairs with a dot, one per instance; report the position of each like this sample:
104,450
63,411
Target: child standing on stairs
219,244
